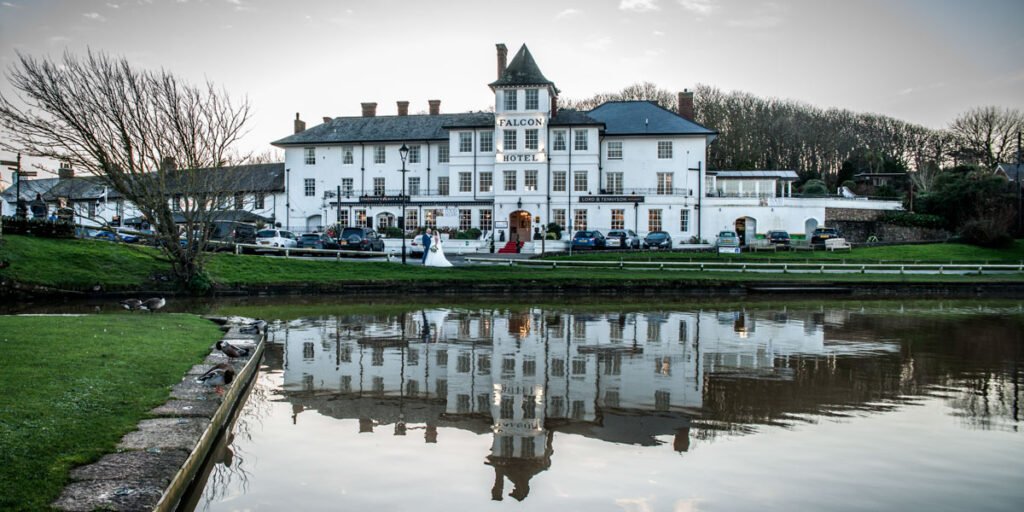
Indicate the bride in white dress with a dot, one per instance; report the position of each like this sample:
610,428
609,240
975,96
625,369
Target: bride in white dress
435,254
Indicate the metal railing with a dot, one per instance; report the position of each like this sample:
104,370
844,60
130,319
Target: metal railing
303,251
776,267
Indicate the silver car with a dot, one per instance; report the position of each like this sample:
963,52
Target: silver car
616,237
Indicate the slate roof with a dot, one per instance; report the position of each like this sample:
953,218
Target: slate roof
1011,171
635,118
752,174
521,71
567,117
385,129
29,189
236,178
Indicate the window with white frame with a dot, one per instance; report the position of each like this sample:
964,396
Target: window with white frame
579,140
664,183
465,219
414,154
530,181
486,182
378,186
615,150
579,220
443,155
485,220
684,220
309,185
618,219
558,217
346,187
510,140
414,186
510,181
360,218
558,181
532,99
347,158
654,219
442,186
380,154
510,99
412,218
465,142
465,182
530,138
430,217
486,142
343,218
558,140
613,183
579,181
310,155
664,149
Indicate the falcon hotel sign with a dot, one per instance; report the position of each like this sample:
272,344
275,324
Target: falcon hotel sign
524,122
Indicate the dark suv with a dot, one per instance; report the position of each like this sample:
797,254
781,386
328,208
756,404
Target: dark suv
821,234
780,239
361,239
317,241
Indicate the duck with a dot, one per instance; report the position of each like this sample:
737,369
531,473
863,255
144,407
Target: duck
231,350
153,304
220,375
131,304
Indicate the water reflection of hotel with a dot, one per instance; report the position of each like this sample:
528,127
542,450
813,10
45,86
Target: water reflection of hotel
529,372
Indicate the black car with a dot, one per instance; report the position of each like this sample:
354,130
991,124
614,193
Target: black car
233,232
780,239
821,234
658,240
361,239
317,241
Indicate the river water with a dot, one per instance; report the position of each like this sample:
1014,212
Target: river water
632,407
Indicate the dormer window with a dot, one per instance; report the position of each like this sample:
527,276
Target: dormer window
510,101
531,99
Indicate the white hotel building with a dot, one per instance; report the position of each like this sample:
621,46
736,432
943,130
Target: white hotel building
628,164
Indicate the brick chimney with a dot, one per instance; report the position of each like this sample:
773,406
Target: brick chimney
403,108
168,164
369,109
435,107
327,119
554,105
65,171
300,125
502,59
686,104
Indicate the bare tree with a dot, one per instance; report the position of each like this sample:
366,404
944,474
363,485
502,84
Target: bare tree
132,129
990,132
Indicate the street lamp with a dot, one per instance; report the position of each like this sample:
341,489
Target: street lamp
403,152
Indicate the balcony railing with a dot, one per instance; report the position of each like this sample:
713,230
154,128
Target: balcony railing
656,191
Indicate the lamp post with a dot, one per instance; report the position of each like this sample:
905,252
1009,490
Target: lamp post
403,152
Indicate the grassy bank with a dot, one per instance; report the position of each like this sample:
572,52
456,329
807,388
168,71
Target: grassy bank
74,385
927,253
79,265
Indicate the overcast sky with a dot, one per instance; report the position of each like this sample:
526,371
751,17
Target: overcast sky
923,61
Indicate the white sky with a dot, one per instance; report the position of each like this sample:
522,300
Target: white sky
923,61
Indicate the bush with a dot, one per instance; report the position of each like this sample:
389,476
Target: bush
556,229
986,233
815,188
38,227
914,220
392,232
469,234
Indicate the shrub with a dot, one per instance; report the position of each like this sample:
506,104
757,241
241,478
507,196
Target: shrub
986,233
469,234
914,220
392,232
815,188
556,229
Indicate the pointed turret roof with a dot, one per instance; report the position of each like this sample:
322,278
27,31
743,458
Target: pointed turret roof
522,70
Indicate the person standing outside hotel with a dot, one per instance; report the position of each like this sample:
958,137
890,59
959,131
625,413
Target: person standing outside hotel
426,245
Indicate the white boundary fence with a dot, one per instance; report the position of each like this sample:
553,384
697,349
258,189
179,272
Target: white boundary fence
296,251
772,267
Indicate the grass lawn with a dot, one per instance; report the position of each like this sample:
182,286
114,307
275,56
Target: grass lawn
46,262
945,252
72,386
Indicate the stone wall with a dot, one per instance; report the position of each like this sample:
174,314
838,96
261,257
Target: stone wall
851,214
859,231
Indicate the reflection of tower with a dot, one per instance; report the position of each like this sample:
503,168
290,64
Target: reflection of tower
519,469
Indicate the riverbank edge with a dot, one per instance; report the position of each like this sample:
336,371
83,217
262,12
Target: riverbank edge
653,288
146,462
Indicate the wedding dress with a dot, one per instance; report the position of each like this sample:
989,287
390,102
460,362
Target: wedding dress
435,254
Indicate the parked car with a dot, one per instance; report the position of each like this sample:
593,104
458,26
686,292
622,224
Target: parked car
114,235
727,239
276,238
780,239
361,239
658,240
317,241
416,246
821,234
589,239
615,238
233,232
